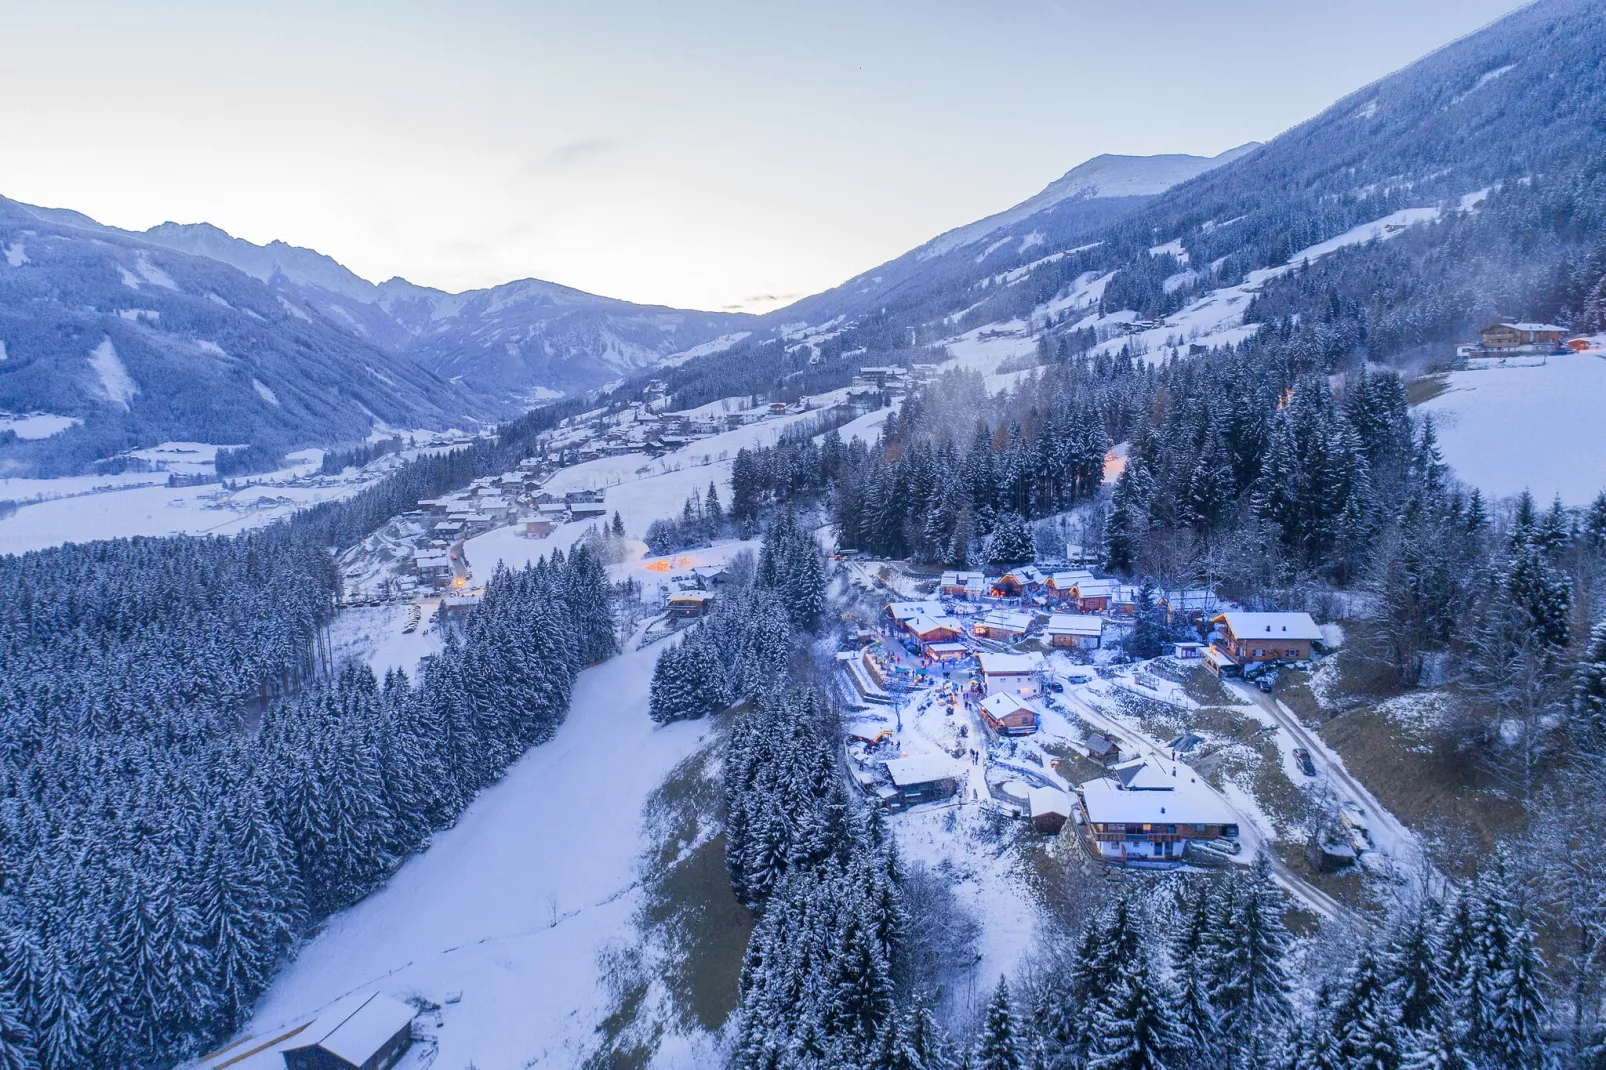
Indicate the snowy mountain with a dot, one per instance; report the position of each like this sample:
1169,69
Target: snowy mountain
933,277
518,341
132,343
1462,188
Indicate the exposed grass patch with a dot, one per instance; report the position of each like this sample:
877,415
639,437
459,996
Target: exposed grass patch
1423,780
1426,388
1201,685
690,912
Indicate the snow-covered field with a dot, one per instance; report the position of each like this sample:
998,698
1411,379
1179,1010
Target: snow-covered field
511,906
1538,428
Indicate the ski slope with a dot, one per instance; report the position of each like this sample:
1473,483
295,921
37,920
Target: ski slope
511,906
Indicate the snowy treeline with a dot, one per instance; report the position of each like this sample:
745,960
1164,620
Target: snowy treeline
701,521
160,857
740,651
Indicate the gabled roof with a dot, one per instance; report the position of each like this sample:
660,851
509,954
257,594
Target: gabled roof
1527,326
992,664
1064,581
1139,775
923,769
1075,624
1270,625
926,625
907,611
1025,574
1049,801
357,1036
1189,803
1017,620
1003,704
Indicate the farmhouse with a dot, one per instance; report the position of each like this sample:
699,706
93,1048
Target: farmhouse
1125,825
1009,715
924,777
1242,639
1079,631
1020,674
1003,624
1522,336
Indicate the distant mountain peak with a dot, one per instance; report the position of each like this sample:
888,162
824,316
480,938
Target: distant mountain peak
1107,175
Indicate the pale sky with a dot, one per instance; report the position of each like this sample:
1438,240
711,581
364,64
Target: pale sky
703,154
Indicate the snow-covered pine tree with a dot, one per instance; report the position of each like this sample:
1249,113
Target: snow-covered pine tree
1134,1026
1000,1045
1365,1023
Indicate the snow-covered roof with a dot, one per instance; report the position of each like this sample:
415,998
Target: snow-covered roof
690,596
1064,581
907,611
1139,775
1187,803
1026,574
1097,588
1530,326
960,579
1049,801
926,625
1013,620
357,1036
1009,664
1075,624
922,769
1003,704
1271,625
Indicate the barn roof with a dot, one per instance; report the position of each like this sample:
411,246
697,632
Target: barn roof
922,769
358,1035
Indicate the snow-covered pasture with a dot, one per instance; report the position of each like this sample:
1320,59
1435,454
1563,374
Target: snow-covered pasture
1505,430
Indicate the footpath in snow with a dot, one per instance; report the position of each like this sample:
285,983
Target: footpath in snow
512,905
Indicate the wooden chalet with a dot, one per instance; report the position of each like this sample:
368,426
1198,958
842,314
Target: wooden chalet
1018,581
1061,586
1095,596
924,778
1103,748
1243,639
1076,631
1009,714
1004,624
904,613
933,631
690,604
963,584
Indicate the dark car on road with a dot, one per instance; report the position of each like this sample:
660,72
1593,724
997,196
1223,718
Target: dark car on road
1302,756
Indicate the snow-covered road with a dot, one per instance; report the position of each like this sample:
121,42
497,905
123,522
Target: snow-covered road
511,906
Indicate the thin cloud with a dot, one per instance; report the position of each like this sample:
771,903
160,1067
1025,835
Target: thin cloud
760,299
574,152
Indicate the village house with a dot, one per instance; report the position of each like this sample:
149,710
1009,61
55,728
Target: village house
1018,581
1061,586
932,631
1153,823
904,613
1189,603
1009,715
1004,624
1019,674
1095,596
923,778
689,604
1522,336
962,584
1078,631
1243,639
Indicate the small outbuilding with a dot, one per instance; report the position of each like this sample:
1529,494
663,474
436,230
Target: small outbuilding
924,778
1051,808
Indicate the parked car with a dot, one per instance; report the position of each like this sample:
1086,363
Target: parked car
1267,683
1078,678
1056,687
1302,756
